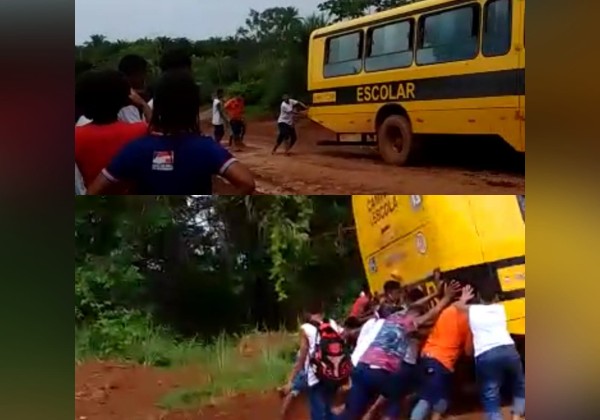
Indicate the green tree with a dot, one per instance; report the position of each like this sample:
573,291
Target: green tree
349,9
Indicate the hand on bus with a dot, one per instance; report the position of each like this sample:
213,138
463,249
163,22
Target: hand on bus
452,289
467,294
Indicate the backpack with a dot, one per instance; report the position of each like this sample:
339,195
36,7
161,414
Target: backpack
331,359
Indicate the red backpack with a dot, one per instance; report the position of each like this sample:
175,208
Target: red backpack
331,359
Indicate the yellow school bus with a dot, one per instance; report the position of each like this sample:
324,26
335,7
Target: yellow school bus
450,67
475,239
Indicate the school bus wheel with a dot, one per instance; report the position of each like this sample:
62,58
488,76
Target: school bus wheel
395,140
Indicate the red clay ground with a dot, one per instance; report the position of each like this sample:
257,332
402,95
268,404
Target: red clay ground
112,391
448,167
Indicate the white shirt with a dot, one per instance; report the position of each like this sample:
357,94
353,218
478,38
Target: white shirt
311,334
367,334
83,120
286,112
79,184
217,119
488,326
130,114
151,103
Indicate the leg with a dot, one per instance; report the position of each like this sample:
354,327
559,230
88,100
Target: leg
360,395
489,378
420,411
316,403
375,409
281,136
293,138
287,404
219,132
433,395
517,379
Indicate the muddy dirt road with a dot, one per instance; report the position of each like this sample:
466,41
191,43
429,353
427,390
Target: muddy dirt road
116,391
448,167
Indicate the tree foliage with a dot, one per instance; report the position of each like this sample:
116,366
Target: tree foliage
203,264
265,58
348,9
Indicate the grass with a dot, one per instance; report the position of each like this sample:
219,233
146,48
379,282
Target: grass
229,365
229,372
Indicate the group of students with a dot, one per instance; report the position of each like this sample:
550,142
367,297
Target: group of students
404,344
130,142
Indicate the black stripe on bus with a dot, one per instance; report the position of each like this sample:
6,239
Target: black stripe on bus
392,18
485,276
475,85
482,276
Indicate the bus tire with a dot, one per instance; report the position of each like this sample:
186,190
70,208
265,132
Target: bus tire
396,141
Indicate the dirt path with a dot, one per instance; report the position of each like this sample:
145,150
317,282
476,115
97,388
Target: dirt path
113,391
449,167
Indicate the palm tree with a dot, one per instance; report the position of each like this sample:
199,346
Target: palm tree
95,41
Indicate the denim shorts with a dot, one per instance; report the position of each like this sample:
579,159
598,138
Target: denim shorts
299,383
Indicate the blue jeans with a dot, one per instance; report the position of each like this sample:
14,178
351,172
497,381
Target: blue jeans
435,382
320,400
368,384
494,368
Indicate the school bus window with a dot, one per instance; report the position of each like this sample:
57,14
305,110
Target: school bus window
390,46
343,55
447,36
497,27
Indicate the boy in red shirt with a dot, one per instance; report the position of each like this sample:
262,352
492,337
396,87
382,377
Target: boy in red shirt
235,111
102,94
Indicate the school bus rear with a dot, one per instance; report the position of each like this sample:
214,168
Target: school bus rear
475,239
394,75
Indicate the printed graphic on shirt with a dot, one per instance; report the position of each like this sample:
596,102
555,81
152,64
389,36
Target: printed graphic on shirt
163,161
390,344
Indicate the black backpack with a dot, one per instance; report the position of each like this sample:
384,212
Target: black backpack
331,360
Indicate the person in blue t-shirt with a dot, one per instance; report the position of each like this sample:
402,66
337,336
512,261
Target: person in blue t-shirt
174,158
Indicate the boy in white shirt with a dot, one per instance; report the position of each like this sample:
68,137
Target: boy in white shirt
497,359
320,397
219,119
285,122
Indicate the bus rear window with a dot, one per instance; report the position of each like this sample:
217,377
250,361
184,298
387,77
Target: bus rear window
497,28
343,55
448,36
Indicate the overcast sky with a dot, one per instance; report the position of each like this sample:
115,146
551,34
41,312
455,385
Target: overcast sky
194,19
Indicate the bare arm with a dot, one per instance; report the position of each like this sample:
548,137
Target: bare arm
423,301
303,354
240,177
222,112
450,292
101,185
147,111
139,101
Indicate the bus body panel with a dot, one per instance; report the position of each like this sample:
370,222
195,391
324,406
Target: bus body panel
338,104
469,238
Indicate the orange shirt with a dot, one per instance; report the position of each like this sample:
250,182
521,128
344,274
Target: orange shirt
235,108
449,337
96,145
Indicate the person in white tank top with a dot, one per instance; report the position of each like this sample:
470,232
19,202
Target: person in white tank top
320,398
496,357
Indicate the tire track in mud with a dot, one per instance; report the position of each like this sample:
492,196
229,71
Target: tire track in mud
313,169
